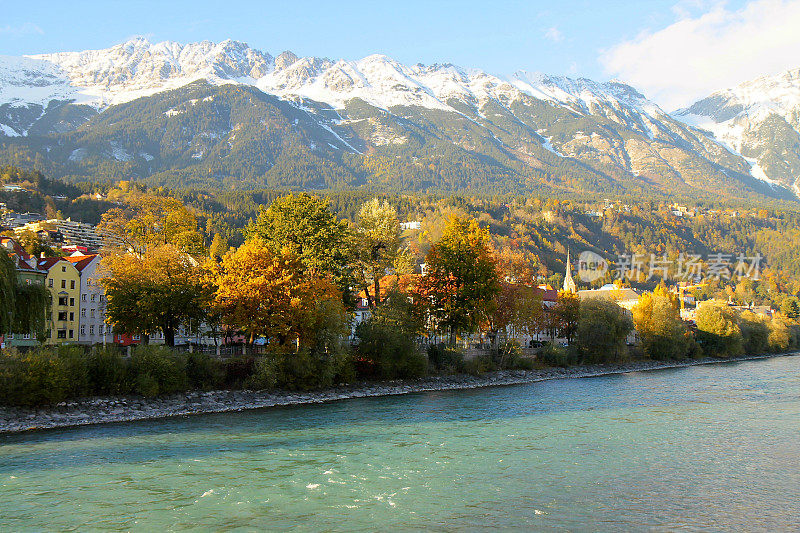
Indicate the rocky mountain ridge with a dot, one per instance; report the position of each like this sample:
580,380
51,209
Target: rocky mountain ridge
368,121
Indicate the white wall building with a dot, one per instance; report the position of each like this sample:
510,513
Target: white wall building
92,328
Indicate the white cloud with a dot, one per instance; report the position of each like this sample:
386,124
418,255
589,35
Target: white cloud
27,28
700,54
553,34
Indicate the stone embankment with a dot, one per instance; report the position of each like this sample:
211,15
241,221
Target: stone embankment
130,408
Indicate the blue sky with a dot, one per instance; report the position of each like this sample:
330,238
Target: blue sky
595,39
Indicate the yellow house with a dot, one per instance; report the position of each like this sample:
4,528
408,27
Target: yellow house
64,282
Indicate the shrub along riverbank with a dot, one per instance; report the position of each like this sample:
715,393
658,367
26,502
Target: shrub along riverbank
49,375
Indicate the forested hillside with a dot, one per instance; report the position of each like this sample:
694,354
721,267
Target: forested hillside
537,229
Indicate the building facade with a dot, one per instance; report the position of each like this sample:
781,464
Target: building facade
92,328
64,282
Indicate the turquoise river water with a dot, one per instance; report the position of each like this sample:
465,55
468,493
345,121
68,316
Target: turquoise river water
712,447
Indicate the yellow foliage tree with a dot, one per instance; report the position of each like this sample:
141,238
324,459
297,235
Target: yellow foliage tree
269,294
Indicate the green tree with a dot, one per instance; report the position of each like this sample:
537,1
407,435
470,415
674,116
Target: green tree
602,329
23,307
790,307
378,237
565,315
8,292
304,224
462,279
755,332
387,339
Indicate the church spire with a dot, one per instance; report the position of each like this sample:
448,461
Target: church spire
569,283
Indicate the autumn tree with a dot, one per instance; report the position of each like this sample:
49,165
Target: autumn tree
159,290
305,225
378,244
272,294
151,221
718,331
219,246
662,332
462,280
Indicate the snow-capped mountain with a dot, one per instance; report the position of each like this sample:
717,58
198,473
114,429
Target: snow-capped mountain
760,119
137,68
527,131
125,72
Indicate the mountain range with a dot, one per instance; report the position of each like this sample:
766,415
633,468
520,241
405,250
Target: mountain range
226,115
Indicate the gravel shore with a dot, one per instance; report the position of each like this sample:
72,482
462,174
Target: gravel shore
129,408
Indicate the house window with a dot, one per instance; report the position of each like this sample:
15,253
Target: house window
91,331
92,297
63,284
102,297
62,300
83,313
62,315
63,269
26,336
71,333
72,284
89,282
72,316
91,313
83,297
83,331
62,334
50,283
72,302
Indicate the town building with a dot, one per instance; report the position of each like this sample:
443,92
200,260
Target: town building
625,297
64,282
66,233
92,308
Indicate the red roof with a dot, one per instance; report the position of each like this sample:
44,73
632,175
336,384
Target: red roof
48,262
81,261
18,250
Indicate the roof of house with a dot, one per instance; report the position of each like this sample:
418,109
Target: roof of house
81,261
47,263
549,294
16,248
613,293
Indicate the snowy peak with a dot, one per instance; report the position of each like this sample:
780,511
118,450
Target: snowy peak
125,71
760,119
139,68
584,92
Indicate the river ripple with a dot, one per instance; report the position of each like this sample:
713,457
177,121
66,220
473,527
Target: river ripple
700,448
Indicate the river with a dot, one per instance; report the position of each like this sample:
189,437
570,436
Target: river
713,447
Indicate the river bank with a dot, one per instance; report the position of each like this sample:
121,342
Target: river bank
130,408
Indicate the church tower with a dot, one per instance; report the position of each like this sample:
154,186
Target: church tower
569,283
